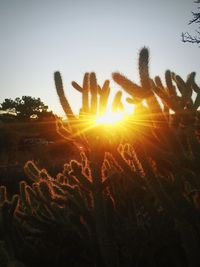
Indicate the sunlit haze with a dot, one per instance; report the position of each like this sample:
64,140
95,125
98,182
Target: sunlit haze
40,37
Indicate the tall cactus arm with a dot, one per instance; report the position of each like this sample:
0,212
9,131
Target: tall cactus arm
170,87
77,86
146,82
158,88
85,92
131,88
93,91
63,100
104,94
196,88
185,88
117,104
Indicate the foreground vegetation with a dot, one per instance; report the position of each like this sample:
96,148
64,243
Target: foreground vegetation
132,198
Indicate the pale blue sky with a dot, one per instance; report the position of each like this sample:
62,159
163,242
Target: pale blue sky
39,37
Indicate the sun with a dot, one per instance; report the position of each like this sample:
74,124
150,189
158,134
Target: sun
110,118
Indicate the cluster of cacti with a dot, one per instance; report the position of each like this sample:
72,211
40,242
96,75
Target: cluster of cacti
132,198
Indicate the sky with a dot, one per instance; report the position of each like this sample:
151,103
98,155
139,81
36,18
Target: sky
39,37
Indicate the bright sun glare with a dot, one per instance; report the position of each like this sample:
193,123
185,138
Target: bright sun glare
110,118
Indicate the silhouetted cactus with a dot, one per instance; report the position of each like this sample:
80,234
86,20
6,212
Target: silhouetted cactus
131,199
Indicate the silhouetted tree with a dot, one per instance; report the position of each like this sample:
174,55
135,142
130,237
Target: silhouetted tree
187,37
27,107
